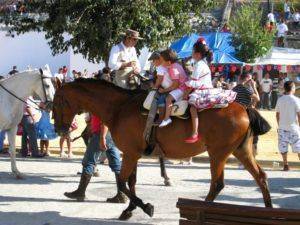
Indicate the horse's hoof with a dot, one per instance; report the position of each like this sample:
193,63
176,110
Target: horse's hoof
19,176
149,209
167,183
126,215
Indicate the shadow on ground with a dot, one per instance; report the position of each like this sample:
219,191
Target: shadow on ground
52,218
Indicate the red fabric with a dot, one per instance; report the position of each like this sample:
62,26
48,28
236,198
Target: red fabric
248,67
65,70
95,124
279,67
220,68
233,68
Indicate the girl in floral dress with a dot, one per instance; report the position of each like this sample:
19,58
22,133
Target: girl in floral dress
200,89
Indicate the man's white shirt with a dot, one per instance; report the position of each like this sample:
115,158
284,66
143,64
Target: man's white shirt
271,17
282,29
288,106
120,54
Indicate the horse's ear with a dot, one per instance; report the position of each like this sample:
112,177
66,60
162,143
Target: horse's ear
41,71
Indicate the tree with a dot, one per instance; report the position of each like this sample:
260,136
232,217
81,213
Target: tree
95,25
250,38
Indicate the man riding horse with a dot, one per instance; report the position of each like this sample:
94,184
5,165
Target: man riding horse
123,60
124,63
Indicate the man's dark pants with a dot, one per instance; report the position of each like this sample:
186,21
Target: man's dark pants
93,152
274,98
266,100
29,131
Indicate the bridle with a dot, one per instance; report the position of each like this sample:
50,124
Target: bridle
22,100
62,103
43,86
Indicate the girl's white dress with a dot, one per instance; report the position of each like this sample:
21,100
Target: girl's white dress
204,95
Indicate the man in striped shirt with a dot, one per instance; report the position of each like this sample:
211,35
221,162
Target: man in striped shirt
247,94
246,90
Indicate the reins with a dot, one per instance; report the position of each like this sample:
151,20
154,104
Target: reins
22,100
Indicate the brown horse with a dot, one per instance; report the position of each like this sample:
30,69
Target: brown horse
224,131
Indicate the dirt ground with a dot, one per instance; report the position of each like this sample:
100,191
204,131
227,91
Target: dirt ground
267,145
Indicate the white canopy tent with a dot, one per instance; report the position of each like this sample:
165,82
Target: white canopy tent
280,56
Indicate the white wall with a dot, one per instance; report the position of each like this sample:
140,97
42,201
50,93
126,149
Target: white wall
28,49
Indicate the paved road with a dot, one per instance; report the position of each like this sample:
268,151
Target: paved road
39,200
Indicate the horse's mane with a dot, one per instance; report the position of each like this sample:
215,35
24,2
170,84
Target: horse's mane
108,84
10,77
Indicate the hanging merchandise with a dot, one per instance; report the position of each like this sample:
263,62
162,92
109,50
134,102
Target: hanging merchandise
212,68
233,68
220,68
247,68
259,67
269,68
279,67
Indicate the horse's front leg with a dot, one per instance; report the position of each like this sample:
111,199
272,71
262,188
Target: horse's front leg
11,134
128,172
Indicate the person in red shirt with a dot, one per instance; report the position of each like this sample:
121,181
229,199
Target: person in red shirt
99,141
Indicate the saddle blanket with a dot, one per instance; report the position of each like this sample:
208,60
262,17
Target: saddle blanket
211,98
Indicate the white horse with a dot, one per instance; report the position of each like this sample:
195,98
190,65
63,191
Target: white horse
14,91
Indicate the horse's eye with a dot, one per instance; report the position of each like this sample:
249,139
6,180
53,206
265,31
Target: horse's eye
47,85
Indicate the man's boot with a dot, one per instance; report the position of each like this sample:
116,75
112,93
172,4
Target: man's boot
120,196
79,194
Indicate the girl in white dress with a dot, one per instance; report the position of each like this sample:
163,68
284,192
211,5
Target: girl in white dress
199,80
200,89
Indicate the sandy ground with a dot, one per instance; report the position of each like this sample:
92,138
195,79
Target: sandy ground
39,200
267,145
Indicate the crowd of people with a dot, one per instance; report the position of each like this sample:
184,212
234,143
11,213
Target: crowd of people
281,23
269,89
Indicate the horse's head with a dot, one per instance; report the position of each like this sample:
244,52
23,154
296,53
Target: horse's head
44,89
63,111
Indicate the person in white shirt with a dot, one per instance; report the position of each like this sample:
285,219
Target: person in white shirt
287,10
282,30
296,19
271,17
288,117
123,61
266,87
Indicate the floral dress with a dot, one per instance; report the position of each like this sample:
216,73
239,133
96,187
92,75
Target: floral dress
204,95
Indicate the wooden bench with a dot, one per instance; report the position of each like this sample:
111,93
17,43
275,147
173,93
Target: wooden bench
195,212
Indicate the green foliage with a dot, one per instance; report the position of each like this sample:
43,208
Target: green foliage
250,38
95,25
278,6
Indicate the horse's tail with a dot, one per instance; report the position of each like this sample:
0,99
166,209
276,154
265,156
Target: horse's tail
258,124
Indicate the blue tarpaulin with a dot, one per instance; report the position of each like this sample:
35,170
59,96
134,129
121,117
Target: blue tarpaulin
218,42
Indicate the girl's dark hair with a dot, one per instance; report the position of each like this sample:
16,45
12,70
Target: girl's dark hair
169,55
288,85
201,48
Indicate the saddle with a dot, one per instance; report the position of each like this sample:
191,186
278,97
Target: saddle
178,109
